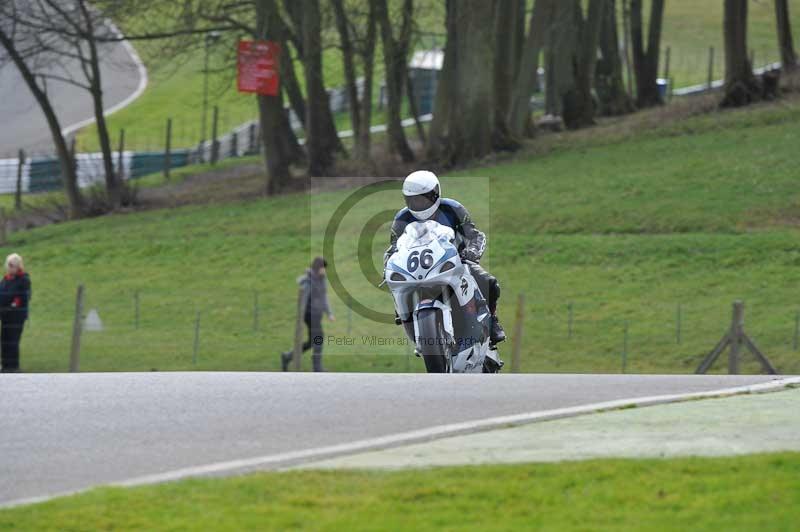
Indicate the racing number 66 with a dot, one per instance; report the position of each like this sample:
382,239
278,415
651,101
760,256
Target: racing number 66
416,258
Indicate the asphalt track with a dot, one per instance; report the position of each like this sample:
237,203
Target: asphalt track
23,123
69,432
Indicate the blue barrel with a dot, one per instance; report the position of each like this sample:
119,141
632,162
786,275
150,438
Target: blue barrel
663,87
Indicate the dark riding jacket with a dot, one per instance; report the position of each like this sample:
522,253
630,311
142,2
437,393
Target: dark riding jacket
15,294
470,241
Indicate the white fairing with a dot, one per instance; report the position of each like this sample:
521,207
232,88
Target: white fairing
427,261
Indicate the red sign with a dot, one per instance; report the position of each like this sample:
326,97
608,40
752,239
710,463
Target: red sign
258,63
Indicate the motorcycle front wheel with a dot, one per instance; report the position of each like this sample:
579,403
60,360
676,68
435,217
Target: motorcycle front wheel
431,341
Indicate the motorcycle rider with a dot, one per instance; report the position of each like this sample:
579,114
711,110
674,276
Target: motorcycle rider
422,194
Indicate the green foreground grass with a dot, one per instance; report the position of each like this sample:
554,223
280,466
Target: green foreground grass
176,90
683,219
757,492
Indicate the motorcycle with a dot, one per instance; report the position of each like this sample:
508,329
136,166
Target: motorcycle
439,302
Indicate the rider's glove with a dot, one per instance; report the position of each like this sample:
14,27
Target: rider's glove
470,255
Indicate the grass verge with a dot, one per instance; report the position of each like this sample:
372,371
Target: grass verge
756,492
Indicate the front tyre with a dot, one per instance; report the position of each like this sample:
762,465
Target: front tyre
431,341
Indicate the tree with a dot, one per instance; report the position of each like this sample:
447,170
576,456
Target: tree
741,86
609,80
645,60
527,77
572,56
61,34
304,31
355,46
395,57
463,119
507,13
20,47
320,149
785,41
271,115
260,20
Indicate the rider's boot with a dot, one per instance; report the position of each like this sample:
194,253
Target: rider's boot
497,334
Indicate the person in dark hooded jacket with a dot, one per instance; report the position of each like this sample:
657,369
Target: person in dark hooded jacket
315,301
15,295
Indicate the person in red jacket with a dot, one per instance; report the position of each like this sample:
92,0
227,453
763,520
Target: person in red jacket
15,295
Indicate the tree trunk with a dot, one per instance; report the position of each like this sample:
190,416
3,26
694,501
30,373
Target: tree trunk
464,120
348,61
505,51
645,61
741,87
367,53
528,75
584,110
68,170
291,85
318,142
785,40
572,59
113,184
504,68
272,119
609,83
518,39
438,145
394,56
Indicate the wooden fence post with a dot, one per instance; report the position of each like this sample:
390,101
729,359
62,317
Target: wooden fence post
251,139
710,67
20,167
136,310
77,328
625,348
3,227
518,327
214,140
73,152
255,311
298,329
168,150
121,155
734,338
349,315
569,320
196,347
737,331
234,144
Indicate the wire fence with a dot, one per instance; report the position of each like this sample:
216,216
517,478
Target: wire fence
143,330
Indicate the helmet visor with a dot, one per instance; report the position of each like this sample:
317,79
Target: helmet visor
422,202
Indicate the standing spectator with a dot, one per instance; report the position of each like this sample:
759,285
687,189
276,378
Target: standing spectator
15,294
315,300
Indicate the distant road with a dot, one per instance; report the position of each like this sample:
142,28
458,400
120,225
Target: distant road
23,123
61,433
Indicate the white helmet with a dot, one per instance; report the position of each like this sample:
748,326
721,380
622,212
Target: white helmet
422,193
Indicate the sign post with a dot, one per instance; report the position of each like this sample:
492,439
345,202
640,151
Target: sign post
257,67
